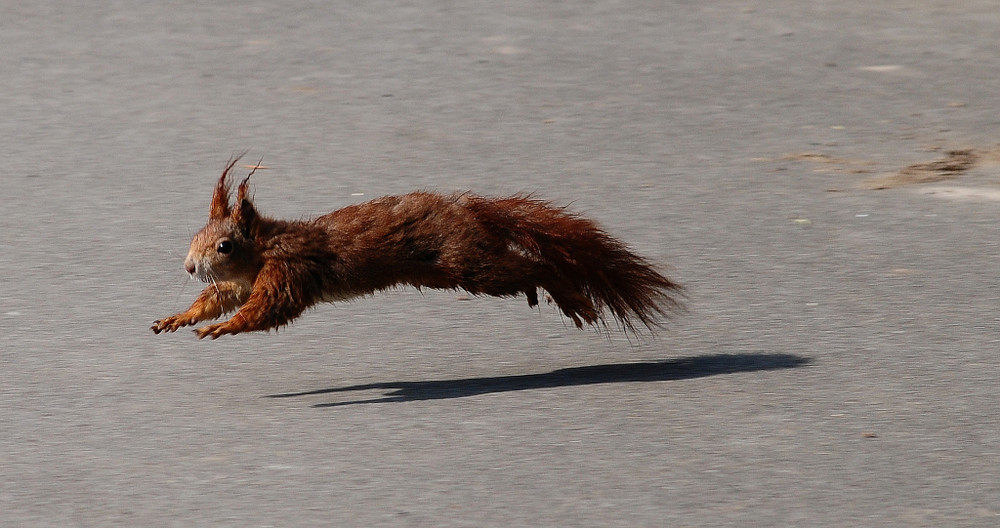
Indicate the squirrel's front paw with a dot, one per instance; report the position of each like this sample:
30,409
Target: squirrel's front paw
172,323
215,330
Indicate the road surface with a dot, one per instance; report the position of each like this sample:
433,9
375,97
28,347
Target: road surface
822,178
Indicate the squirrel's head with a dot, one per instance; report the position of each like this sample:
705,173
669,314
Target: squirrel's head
225,249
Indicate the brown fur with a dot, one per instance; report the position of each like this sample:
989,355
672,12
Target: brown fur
270,271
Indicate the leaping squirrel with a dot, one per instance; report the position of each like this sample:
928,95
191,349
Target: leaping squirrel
269,271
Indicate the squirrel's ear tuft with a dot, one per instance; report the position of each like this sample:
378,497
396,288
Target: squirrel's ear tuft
244,213
220,199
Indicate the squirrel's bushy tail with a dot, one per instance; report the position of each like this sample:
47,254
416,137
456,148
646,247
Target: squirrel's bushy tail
584,269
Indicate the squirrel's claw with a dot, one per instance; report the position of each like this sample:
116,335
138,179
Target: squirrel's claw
162,325
171,324
214,331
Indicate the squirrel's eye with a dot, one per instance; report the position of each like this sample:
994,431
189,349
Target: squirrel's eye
225,247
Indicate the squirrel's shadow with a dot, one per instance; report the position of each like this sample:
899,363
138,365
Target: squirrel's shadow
664,370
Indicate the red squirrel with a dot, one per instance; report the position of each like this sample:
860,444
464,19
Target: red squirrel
269,271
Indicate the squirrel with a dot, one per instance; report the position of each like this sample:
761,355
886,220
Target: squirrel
269,271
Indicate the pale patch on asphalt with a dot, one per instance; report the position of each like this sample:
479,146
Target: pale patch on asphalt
832,164
961,193
882,68
954,164
951,166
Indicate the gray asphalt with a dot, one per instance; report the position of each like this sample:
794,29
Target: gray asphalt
837,364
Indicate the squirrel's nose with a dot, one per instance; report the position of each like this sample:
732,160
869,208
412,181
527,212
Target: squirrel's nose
189,266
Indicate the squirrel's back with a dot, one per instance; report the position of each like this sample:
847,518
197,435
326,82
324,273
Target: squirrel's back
498,246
